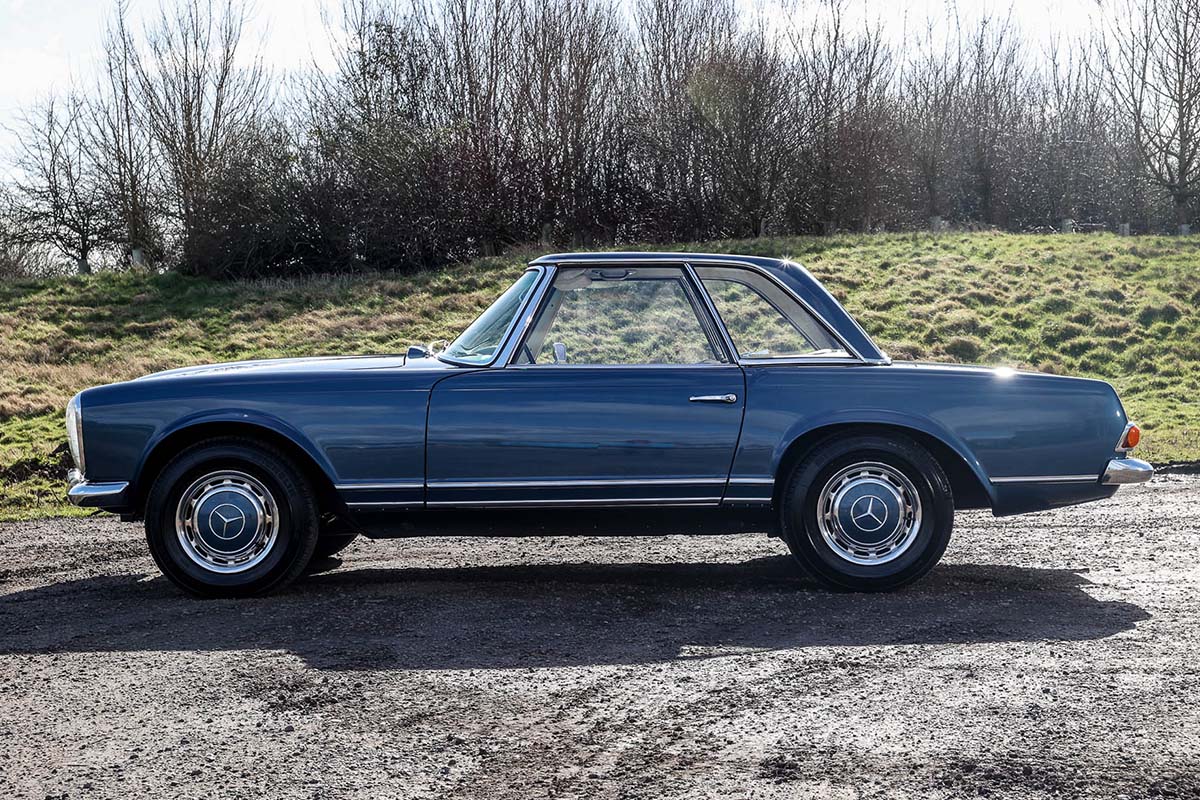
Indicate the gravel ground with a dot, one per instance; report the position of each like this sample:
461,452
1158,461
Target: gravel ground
1048,655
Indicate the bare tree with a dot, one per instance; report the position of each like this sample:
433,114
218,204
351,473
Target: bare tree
125,160
1152,59
58,199
673,37
453,128
566,114
842,77
201,97
930,103
472,102
742,93
996,96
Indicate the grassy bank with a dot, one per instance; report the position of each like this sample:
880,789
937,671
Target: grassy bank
1119,309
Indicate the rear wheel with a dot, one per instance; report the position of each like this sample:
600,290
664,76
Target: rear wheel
868,513
231,517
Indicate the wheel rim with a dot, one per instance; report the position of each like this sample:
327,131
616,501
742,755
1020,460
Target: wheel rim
227,522
869,513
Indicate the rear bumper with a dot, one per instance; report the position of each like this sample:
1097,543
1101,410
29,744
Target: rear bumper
95,495
1122,471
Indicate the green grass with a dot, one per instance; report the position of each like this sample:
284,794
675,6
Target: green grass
1119,309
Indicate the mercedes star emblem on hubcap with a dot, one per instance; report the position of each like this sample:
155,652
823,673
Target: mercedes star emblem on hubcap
227,521
869,513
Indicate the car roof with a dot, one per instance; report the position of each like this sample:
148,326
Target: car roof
759,261
792,275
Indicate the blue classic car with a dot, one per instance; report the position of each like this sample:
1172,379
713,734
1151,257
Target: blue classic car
657,392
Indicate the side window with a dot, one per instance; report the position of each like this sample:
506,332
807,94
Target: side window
619,316
763,320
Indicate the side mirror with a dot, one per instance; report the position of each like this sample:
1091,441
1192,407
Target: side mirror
416,351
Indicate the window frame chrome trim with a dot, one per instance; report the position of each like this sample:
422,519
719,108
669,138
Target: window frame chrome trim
712,313
855,356
697,298
788,292
886,359
501,354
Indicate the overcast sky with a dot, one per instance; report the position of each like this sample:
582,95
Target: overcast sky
43,43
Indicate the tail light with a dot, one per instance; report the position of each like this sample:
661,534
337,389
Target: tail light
1130,438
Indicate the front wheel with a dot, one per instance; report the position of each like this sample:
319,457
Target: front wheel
230,518
868,513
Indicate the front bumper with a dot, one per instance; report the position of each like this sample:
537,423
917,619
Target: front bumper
95,495
1122,471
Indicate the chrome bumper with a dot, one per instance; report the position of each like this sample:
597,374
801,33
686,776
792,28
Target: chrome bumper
89,495
1121,471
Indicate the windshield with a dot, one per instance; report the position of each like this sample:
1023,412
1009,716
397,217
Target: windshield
479,343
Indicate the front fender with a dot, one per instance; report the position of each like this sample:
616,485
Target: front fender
233,417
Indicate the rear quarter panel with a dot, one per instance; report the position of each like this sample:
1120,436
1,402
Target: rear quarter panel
1001,425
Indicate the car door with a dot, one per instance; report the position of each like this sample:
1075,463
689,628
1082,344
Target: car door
620,393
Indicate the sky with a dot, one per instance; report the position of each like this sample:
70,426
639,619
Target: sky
44,43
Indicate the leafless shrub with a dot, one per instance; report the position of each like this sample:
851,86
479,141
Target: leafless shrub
455,128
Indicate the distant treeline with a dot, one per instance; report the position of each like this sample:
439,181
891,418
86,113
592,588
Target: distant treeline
455,128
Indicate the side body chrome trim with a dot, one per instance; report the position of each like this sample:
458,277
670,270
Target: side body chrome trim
343,487
387,504
613,501
535,484
1047,479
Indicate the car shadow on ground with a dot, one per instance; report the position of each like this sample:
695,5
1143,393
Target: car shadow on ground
562,614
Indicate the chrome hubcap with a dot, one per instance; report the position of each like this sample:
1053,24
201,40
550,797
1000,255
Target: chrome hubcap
227,522
869,513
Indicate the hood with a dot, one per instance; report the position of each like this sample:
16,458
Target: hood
286,366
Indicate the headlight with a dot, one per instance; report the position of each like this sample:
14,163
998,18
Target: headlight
75,433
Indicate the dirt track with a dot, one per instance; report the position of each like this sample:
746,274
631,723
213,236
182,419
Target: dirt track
1049,655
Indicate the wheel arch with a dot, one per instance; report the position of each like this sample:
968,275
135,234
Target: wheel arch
159,453
968,483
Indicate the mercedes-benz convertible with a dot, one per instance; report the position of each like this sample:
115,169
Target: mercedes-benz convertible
608,392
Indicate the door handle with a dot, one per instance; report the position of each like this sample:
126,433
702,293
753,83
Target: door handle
713,398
